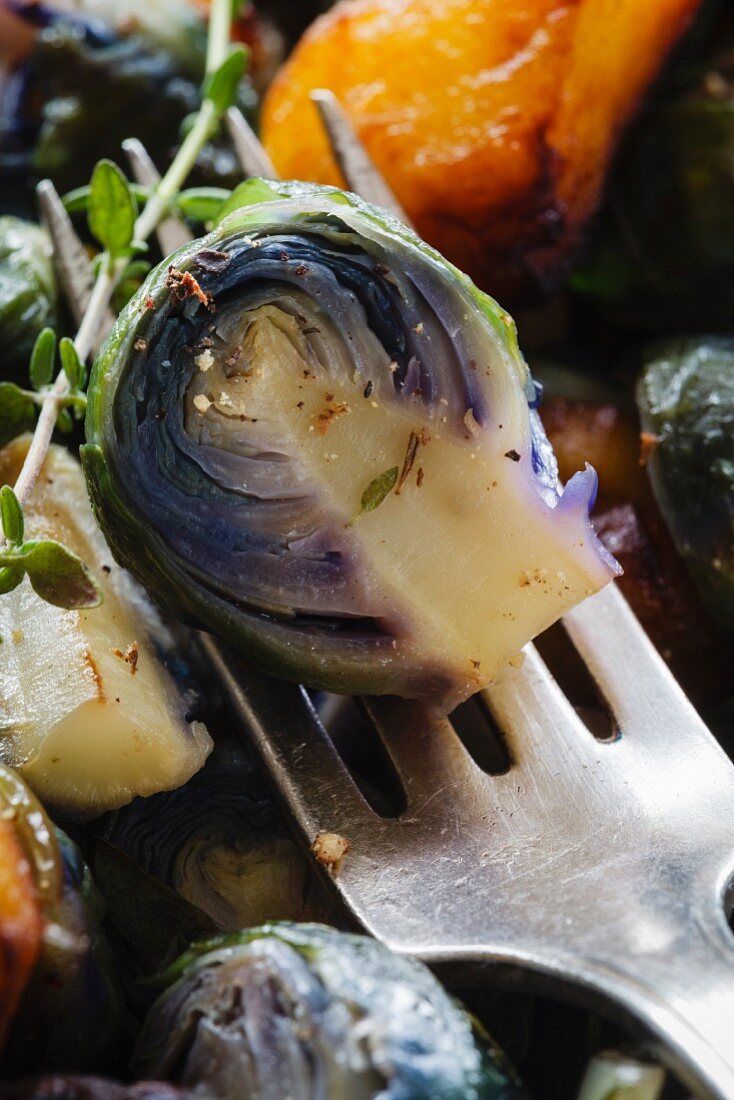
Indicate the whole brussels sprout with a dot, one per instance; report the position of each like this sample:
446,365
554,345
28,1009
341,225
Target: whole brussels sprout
686,401
222,843
310,1013
27,292
312,434
99,71
69,1087
663,254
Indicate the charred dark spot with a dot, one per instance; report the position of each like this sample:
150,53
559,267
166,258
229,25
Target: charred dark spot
211,260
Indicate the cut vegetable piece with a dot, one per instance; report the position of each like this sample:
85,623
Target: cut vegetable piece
316,437
88,714
492,120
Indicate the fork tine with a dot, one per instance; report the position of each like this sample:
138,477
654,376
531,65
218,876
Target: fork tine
535,717
424,749
647,701
171,233
353,159
253,159
297,751
70,258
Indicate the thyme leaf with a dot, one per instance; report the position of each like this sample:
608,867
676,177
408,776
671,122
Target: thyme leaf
112,210
378,489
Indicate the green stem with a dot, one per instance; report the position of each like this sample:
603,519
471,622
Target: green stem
171,183
110,273
220,22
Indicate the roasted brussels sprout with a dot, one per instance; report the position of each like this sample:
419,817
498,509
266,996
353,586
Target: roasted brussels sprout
686,400
96,73
89,1088
90,715
663,254
27,292
313,435
303,1010
222,844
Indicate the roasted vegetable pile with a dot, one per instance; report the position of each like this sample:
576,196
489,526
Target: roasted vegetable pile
311,434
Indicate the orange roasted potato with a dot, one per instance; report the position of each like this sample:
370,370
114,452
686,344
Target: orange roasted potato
21,920
493,120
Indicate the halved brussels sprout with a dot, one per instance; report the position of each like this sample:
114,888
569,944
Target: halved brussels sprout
686,400
312,434
222,843
307,1012
89,715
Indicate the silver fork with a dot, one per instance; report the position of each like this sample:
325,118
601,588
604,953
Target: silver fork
599,869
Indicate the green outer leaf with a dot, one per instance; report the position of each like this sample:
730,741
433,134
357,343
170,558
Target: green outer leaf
59,577
245,194
10,578
17,412
41,366
71,363
378,489
201,204
12,516
221,86
112,209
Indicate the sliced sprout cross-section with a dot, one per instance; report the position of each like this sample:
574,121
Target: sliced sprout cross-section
313,435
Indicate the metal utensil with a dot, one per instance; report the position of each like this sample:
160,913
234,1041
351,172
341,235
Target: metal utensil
599,868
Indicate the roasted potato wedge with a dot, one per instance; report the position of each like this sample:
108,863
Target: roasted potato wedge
493,120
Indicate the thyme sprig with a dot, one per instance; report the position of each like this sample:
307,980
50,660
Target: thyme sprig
113,218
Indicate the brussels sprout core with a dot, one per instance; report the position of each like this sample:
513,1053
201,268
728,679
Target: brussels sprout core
327,438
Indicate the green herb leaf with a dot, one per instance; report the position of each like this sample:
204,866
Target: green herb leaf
201,204
221,86
77,201
17,412
112,209
41,366
64,421
59,577
10,578
378,489
11,514
71,363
